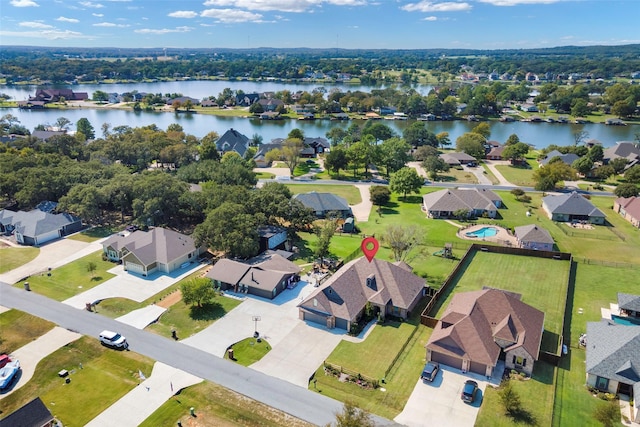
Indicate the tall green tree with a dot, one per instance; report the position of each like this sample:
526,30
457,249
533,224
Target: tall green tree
394,154
433,165
547,177
472,144
336,159
198,291
83,125
406,181
417,135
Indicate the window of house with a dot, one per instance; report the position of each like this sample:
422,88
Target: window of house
520,360
602,383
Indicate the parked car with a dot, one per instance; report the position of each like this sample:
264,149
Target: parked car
430,371
113,339
469,391
8,373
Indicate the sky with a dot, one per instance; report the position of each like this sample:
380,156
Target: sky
348,24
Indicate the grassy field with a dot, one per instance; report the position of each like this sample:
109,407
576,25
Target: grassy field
71,279
542,283
399,383
217,406
13,257
249,351
367,358
596,287
18,328
536,393
350,193
519,175
81,400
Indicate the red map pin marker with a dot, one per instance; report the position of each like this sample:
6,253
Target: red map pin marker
370,246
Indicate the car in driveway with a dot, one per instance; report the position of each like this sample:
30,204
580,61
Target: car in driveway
430,371
469,390
113,339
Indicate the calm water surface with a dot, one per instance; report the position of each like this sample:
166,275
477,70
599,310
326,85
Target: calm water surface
539,135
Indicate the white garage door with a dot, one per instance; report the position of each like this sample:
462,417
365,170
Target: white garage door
135,268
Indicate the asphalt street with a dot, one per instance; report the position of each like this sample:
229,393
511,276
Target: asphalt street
297,401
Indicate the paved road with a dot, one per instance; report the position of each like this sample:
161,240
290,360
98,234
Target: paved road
297,401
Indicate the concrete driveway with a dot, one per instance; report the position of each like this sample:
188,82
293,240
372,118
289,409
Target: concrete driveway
438,403
297,348
32,353
131,286
137,405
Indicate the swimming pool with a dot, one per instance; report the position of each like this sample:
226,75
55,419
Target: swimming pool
483,232
625,320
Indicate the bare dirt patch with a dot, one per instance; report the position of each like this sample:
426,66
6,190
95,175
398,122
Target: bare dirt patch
171,299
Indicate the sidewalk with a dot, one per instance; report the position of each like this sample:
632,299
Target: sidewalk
31,354
137,405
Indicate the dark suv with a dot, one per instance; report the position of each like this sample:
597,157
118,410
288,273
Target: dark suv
469,391
430,371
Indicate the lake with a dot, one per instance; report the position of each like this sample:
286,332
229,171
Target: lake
539,135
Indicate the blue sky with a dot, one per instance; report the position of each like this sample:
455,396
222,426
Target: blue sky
365,24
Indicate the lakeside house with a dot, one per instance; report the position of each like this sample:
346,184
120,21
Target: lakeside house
476,201
572,207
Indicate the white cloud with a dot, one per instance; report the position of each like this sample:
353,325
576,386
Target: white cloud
183,14
231,15
24,3
163,30
430,18
35,24
517,2
91,4
71,20
429,6
110,24
295,6
47,34
99,15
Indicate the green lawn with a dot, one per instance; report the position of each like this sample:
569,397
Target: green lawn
13,257
93,234
596,287
536,394
350,193
366,357
249,351
519,175
399,383
106,375
217,406
71,279
18,328
187,320
542,283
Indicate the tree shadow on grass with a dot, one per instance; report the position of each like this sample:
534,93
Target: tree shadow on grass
96,278
523,416
416,200
208,311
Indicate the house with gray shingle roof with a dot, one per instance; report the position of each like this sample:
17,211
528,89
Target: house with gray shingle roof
629,305
391,289
613,360
266,275
457,158
33,414
629,208
572,207
478,201
37,227
628,150
568,158
479,328
324,203
144,252
232,140
534,237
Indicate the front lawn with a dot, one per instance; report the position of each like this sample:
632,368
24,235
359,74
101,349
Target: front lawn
520,175
93,234
13,257
19,328
366,357
188,320
71,279
392,395
217,406
536,394
98,378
